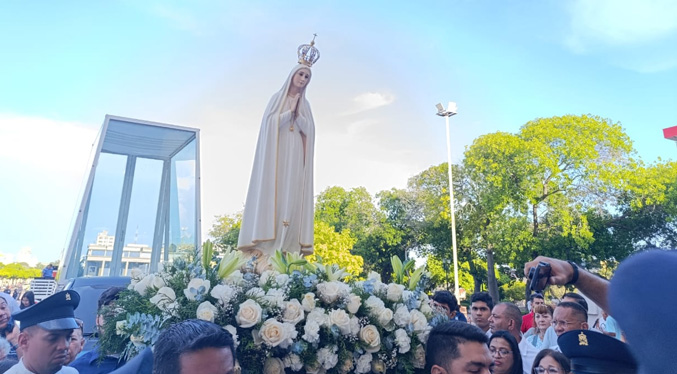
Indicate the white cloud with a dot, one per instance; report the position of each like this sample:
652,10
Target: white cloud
620,23
371,100
47,146
26,255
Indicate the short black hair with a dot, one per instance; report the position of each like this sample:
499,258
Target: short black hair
184,337
109,295
576,307
447,298
443,341
484,297
536,296
561,359
579,299
514,347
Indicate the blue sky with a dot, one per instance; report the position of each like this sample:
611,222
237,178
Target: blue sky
384,65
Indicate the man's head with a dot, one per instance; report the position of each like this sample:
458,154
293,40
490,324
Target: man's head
506,316
573,297
44,351
456,348
446,302
46,330
77,342
569,316
194,346
536,299
107,298
480,309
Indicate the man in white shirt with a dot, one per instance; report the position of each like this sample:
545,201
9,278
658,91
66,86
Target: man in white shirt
45,336
508,317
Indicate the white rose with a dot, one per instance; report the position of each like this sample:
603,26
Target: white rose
308,301
318,316
206,311
158,282
419,320
329,292
419,357
327,357
363,364
293,312
402,317
266,276
313,368
311,331
120,327
142,286
233,332
273,365
274,333
136,274
256,293
378,367
340,318
275,297
293,362
164,298
394,292
249,314
426,309
282,280
222,293
402,340
406,295
196,287
354,303
370,337
423,335
374,304
385,316
235,278
346,367
374,275
354,326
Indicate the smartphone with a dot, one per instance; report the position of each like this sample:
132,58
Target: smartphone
539,276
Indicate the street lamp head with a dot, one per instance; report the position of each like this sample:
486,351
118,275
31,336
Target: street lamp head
451,110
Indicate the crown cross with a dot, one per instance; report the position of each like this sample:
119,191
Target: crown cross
68,296
308,54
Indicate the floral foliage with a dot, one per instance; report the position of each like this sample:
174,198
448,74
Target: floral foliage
298,318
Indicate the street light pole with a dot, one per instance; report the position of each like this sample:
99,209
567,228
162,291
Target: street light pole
450,111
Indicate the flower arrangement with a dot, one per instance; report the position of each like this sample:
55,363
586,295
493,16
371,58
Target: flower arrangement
298,317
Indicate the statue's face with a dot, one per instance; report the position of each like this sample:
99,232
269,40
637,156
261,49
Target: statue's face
301,78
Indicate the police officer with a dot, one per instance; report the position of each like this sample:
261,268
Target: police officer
46,329
591,352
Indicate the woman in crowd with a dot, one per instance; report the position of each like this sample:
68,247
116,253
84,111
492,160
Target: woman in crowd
27,300
549,361
506,353
542,320
8,329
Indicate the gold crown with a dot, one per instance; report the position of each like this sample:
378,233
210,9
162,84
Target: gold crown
308,54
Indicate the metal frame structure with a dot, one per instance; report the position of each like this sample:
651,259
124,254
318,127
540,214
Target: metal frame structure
72,256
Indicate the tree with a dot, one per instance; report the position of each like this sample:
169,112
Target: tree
19,271
226,230
334,248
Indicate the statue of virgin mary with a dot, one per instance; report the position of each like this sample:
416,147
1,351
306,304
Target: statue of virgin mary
278,213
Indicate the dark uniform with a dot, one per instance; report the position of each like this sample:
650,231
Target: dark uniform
52,313
591,352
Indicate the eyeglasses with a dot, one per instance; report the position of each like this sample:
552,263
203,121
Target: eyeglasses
564,323
549,370
499,352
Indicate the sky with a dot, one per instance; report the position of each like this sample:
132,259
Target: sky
213,65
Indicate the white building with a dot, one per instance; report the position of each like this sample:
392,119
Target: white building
99,255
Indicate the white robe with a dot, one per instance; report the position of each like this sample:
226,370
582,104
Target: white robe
279,209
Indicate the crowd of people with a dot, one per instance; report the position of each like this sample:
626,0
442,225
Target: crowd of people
494,338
